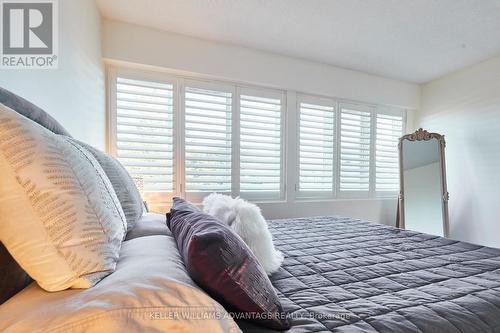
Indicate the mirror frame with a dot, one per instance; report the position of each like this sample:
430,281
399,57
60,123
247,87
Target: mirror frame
423,135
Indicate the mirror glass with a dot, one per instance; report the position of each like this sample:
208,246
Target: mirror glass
423,193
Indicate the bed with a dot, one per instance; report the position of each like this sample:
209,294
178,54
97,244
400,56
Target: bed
347,275
339,275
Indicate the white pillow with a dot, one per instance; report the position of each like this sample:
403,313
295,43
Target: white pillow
246,220
59,216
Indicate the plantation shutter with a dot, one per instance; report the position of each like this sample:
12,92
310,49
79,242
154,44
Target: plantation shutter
389,129
260,144
207,114
316,147
144,131
355,142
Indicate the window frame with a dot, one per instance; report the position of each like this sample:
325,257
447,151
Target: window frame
180,82
289,129
197,196
274,94
320,101
391,111
356,106
338,104
112,74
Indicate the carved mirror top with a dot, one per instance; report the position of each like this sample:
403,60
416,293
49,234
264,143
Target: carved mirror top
423,135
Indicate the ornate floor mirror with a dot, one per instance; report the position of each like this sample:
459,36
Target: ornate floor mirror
423,199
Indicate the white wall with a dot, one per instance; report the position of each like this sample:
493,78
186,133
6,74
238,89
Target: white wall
127,44
140,45
465,107
74,94
375,210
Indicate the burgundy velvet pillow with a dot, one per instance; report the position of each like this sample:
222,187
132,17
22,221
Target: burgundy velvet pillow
221,263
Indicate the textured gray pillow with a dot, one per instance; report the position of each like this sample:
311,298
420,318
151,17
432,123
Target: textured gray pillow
59,215
124,186
31,111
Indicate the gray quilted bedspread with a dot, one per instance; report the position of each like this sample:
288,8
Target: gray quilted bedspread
347,275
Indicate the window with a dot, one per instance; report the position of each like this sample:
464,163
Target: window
355,148
260,144
144,131
207,139
389,129
349,153
316,147
187,137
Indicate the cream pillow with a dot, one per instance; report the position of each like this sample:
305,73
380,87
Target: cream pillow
150,292
59,216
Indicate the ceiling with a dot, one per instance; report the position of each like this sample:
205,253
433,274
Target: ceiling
410,40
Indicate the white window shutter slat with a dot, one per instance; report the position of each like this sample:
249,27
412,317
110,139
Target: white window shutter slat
144,131
260,145
317,137
355,145
389,129
207,139
344,149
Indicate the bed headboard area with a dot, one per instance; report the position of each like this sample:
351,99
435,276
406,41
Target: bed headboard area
12,277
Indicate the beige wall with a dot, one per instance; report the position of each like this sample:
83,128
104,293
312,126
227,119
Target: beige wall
465,107
74,93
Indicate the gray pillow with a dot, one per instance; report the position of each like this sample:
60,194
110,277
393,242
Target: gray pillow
31,111
124,186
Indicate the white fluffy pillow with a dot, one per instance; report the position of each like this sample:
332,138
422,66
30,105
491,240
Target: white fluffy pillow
246,220
59,216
